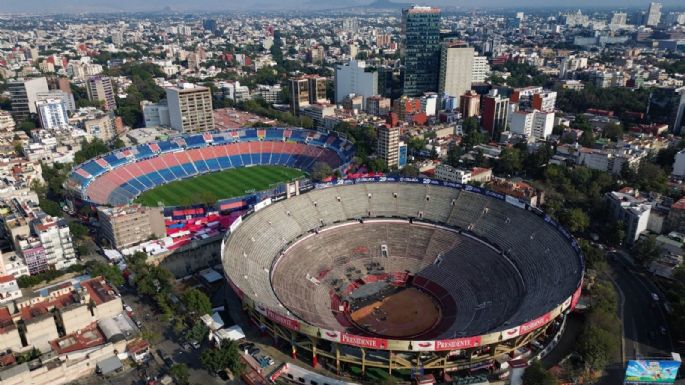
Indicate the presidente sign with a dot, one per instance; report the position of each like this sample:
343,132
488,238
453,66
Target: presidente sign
458,343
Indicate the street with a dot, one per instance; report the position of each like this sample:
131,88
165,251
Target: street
645,329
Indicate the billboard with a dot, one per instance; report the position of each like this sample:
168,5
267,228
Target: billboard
651,372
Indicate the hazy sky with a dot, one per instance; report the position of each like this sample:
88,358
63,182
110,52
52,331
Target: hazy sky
68,6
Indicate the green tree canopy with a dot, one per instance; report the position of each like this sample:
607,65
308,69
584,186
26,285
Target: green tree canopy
646,249
90,150
575,220
111,272
180,373
510,161
321,171
227,356
196,302
535,374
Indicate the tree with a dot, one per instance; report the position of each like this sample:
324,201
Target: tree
180,373
409,171
321,171
110,272
26,126
575,220
198,332
613,131
646,249
50,207
378,165
651,177
469,125
454,154
535,374
78,231
118,143
473,139
227,356
595,347
510,161
90,150
415,144
196,302
151,280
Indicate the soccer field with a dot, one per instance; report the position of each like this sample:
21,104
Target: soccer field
209,188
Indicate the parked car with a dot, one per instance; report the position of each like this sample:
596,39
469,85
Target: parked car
655,297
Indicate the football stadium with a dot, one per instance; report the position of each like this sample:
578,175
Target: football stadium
404,275
119,177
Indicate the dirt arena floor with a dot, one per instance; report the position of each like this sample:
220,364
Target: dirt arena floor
406,313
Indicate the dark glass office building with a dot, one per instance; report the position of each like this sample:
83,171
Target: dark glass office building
421,32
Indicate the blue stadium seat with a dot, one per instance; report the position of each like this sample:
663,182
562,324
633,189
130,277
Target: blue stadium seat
195,141
213,164
188,167
144,151
274,134
93,168
178,171
225,162
167,174
201,166
237,161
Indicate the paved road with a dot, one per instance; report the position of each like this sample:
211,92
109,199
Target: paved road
643,317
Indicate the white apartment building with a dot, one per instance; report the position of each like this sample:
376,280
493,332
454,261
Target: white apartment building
521,123
190,108
451,174
7,123
679,165
354,77
543,124
55,238
12,264
270,94
234,91
52,113
66,97
481,69
9,289
156,114
456,69
611,161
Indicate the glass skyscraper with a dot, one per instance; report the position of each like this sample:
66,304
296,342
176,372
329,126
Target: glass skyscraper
421,32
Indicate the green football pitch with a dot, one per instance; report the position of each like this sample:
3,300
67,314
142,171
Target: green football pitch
209,188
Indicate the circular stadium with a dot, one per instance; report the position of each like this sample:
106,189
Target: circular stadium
404,273
118,177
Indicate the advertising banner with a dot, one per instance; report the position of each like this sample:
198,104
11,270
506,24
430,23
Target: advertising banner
536,323
364,342
651,372
458,343
282,320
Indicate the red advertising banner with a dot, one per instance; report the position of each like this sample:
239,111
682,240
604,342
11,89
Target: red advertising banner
364,342
536,323
458,343
283,320
576,297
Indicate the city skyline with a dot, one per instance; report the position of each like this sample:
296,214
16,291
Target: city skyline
103,6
